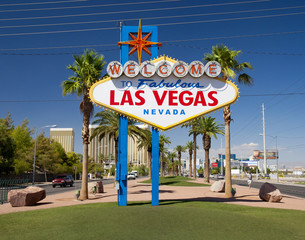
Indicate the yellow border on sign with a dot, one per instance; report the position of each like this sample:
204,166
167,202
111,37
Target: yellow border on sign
150,123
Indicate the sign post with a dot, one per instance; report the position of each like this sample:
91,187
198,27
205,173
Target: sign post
161,92
123,121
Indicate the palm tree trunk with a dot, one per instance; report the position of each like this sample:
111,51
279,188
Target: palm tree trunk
116,156
149,163
86,107
195,154
227,119
206,165
190,166
84,188
161,163
179,170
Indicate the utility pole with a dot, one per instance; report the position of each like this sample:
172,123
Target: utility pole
277,161
264,140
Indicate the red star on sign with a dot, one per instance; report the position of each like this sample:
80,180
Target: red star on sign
140,43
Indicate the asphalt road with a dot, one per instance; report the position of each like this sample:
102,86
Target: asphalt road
77,185
289,189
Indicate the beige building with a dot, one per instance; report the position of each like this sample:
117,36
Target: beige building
106,147
65,136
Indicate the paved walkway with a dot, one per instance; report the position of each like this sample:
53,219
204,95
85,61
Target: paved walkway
142,192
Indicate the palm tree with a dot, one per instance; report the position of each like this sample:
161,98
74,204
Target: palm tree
230,68
208,127
190,147
172,156
87,70
145,141
163,140
192,131
108,125
179,149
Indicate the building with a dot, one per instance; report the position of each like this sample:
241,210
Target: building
65,136
106,147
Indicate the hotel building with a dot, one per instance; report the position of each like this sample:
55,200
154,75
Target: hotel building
65,136
106,147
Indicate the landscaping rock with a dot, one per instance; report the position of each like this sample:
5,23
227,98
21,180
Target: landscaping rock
218,186
269,193
26,197
95,187
100,187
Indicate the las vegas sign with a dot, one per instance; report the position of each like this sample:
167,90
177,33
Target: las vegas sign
163,92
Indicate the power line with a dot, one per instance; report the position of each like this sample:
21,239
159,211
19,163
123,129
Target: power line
62,53
167,42
36,3
150,18
247,52
133,11
60,47
230,19
63,31
162,24
91,6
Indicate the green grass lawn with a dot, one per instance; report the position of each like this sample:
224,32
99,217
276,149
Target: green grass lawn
301,183
177,181
171,220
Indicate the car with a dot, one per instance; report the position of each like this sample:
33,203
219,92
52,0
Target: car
63,180
220,176
135,173
131,176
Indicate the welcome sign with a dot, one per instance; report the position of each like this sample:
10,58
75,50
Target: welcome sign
163,92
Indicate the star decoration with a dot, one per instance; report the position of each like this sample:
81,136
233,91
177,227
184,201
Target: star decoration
139,43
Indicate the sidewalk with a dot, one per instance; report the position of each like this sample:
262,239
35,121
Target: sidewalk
142,192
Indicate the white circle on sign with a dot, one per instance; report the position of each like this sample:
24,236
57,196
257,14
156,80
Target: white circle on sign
114,69
196,69
212,69
164,69
147,69
131,69
180,69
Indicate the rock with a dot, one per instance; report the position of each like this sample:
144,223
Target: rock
275,196
269,193
26,197
91,186
99,188
218,186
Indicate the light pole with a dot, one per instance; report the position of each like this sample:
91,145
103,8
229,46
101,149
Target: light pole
35,149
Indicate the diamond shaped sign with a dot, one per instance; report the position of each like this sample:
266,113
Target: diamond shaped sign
162,100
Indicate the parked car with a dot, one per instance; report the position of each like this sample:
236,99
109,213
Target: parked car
135,173
131,176
220,176
63,180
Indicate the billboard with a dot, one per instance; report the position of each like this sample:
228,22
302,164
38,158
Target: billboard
257,154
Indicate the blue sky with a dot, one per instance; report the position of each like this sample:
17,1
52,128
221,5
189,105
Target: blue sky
270,34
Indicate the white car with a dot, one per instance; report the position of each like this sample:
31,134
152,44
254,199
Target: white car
135,173
131,176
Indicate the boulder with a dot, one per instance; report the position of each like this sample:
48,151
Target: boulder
91,186
218,186
269,193
100,187
97,186
26,197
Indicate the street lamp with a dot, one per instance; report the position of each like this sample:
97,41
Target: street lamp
34,165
